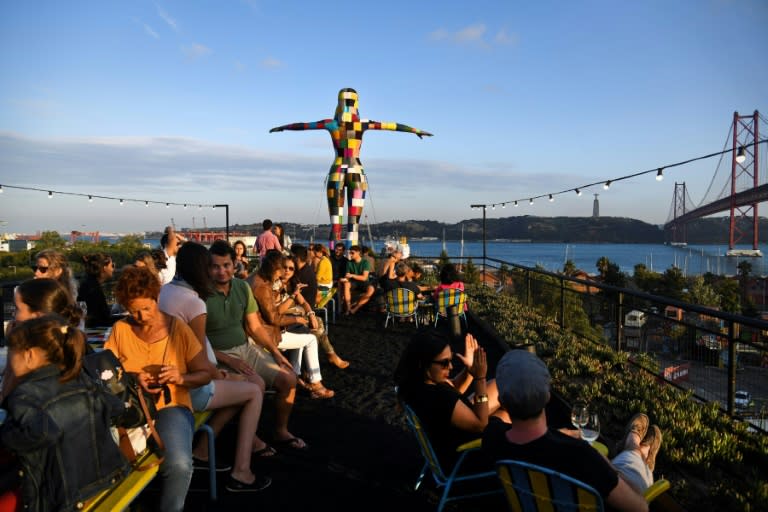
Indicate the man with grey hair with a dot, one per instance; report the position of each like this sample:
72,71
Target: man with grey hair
523,382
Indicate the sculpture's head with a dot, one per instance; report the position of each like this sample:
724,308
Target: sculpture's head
347,105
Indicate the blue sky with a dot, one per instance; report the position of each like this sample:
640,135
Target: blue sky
173,101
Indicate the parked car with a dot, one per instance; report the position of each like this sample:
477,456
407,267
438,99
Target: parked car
743,400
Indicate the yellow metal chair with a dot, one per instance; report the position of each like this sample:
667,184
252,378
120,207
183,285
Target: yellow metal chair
443,479
532,488
402,303
447,298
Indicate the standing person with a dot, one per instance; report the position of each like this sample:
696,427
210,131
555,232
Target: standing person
241,260
145,259
283,238
523,383
302,345
58,418
52,264
346,176
356,280
167,358
233,317
169,243
267,240
226,394
99,268
424,383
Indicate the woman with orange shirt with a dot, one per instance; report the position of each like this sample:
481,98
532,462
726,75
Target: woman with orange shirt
168,360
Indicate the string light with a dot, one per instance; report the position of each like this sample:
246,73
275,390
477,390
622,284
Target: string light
551,198
493,207
740,157
91,197
515,204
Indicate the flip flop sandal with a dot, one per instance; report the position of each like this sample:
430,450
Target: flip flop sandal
267,451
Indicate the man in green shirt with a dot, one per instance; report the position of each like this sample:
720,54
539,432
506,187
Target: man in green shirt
356,280
233,316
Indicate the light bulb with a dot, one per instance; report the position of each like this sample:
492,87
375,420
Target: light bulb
515,204
146,203
530,201
121,202
167,205
50,194
1,189
578,192
607,185
660,174
551,198
741,155
90,199
503,205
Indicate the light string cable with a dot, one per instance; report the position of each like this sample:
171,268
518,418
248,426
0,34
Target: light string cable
608,182
91,197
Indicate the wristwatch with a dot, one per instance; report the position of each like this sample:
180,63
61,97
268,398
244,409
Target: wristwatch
481,399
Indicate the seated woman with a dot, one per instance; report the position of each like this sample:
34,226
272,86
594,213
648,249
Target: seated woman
449,278
58,423
168,360
52,264
290,301
241,260
227,394
321,262
424,383
386,273
266,284
98,269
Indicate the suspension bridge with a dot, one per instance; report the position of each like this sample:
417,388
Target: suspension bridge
739,184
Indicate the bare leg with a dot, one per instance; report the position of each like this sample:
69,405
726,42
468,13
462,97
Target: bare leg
363,299
285,385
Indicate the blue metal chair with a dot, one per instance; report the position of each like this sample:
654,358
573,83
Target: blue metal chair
532,488
447,298
433,464
402,303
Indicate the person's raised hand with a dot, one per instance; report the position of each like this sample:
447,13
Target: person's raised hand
470,346
479,368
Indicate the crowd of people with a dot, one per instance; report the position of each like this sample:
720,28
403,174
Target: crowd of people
216,336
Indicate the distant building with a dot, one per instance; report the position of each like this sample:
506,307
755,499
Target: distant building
596,207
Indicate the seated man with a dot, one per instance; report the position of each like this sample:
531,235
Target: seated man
523,383
401,280
356,281
233,316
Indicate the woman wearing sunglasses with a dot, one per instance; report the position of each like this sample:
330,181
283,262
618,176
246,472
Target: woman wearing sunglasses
424,382
52,264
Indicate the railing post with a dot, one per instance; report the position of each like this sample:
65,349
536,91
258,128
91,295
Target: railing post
562,302
619,321
731,370
528,290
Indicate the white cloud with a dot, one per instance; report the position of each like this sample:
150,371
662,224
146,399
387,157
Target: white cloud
148,30
167,19
271,63
475,34
196,51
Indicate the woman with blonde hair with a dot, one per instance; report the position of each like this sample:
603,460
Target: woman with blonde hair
52,264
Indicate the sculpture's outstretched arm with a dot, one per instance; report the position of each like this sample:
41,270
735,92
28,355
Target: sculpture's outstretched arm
395,127
316,125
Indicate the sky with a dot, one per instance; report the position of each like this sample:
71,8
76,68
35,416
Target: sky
172,101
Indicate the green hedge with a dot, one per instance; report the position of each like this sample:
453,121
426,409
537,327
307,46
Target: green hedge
714,463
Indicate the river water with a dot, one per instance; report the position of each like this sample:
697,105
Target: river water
692,260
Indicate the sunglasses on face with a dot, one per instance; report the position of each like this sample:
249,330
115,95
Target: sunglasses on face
40,268
443,363
289,268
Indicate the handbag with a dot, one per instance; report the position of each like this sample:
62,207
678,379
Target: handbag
136,423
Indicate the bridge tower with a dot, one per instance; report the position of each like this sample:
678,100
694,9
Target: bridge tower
679,232
744,167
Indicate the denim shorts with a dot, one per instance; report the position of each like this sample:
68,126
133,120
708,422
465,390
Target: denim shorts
202,396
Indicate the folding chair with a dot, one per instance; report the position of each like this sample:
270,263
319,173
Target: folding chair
402,303
447,298
433,464
532,488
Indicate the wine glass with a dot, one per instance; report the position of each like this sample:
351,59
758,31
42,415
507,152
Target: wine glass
590,430
579,414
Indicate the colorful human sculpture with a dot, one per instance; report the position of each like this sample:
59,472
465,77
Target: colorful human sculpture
347,176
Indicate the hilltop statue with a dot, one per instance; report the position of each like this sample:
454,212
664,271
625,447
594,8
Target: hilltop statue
347,175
